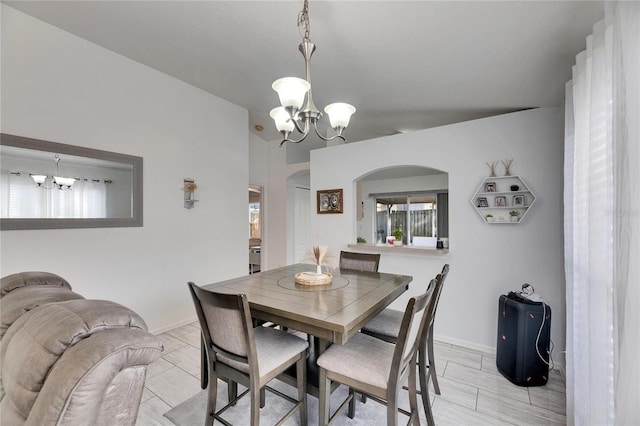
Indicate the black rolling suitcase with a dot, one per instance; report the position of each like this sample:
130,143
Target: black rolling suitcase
519,323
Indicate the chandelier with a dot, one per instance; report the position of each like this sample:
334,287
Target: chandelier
295,112
57,181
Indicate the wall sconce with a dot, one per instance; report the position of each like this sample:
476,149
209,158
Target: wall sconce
189,189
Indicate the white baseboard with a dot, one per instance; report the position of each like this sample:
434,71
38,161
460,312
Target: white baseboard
465,344
172,326
562,369
558,365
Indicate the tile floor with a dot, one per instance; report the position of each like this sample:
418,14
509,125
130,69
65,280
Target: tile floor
473,391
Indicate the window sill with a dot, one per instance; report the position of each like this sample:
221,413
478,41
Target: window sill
385,248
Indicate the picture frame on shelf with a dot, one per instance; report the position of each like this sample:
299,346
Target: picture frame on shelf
501,201
518,200
490,187
482,202
329,201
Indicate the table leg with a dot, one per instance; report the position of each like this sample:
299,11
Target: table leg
321,345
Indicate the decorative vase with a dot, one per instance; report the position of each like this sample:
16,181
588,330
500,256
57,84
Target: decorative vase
514,218
319,269
397,243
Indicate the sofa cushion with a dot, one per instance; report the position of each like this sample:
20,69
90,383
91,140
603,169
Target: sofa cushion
24,299
24,279
34,343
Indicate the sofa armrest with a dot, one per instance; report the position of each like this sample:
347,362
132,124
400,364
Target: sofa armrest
99,380
40,338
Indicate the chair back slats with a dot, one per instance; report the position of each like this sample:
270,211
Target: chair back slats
417,330
226,323
415,319
226,329
366,262
436,297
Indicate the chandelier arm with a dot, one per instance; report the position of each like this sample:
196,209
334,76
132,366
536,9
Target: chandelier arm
324,138
304,135
300,129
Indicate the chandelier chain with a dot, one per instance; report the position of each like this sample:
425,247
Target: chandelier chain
303,21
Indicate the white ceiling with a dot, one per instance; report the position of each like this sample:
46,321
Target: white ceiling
405,65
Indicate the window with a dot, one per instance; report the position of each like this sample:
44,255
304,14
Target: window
254,220
417,215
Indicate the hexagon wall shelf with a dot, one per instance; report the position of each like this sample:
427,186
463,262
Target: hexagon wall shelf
497,197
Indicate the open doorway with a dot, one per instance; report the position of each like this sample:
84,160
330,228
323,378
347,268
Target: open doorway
298,216
255,228
301,208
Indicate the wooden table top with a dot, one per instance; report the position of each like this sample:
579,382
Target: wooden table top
334,312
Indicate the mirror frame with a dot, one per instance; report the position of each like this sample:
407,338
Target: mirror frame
60,148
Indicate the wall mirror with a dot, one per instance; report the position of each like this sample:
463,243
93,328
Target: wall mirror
49,185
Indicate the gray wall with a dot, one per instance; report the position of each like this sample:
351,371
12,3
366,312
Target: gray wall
58,87
486,260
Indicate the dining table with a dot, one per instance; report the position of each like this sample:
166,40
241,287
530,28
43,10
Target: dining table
329,313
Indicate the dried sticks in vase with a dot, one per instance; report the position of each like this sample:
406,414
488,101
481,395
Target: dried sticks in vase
507,167
492,166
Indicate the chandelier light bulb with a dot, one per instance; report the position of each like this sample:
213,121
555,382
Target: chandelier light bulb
39,179
283,120
61,182
291,91
339,114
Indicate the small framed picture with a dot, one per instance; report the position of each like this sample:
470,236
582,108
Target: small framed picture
518,200
482,202
330,201
490,187
501,201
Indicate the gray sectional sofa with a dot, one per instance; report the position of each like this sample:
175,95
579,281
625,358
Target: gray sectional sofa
67,360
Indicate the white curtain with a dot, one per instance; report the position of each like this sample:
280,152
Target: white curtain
86,199
21,198
602,223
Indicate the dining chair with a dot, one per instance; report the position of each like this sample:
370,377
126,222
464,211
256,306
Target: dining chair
367,262
377,368
386,326
239,353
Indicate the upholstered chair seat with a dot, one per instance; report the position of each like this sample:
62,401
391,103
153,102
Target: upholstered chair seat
273,348
386,323
365,359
